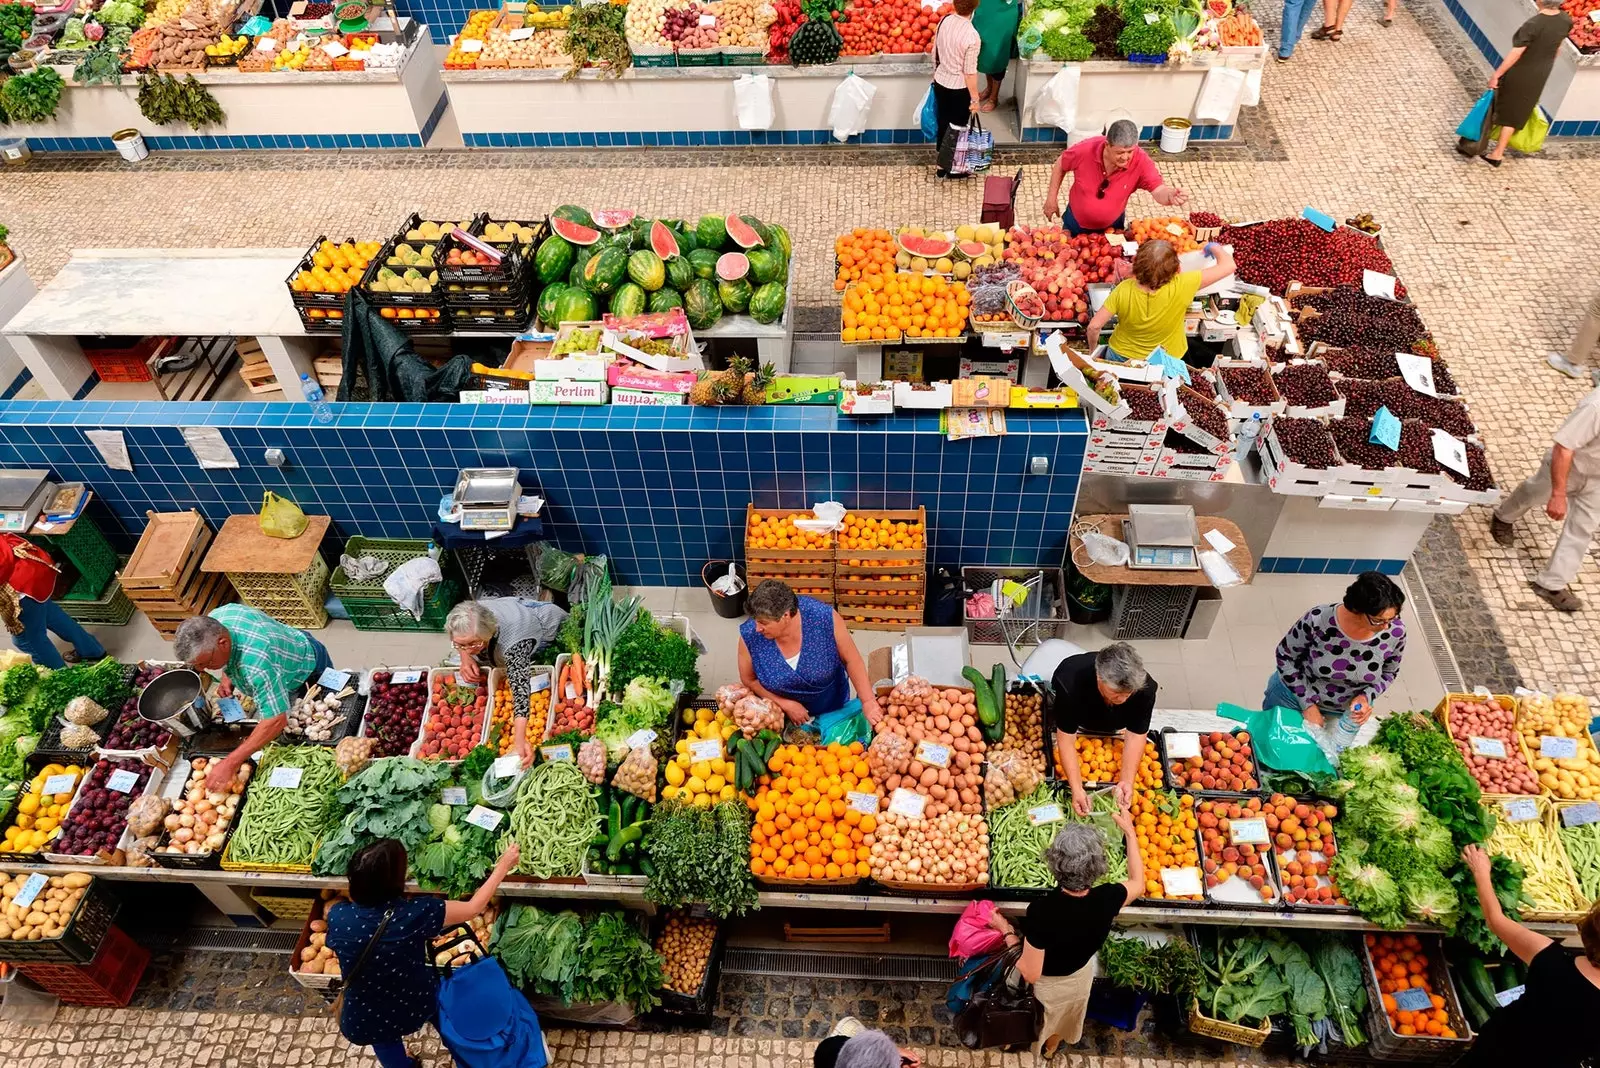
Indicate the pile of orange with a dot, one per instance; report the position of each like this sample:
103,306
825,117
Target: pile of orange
1100,761
862,252
1166,827
804,826
865,532
886,307
335,268
1162,229
780,532
1400,963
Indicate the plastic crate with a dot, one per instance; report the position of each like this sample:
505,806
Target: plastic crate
392,551
1016,629
289,905
695,1008
91,922
293,599
386,615
90,553
107,981
119,359
112,608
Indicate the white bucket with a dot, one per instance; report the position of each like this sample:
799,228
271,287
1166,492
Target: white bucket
14,150
1082,131
131,144
1174,135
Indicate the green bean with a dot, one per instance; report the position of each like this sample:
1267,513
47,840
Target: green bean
553,820
1017,846
1583,849
279,826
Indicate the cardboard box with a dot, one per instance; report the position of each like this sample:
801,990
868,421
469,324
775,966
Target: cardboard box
1333,409
619,376
494,396
1440,507
804,389
572,369
1026,397
1357,504
686,356
1007,369
877,401
1116,456
934,395
934,653
641,398
1193,474
980,392
543,391
1239,409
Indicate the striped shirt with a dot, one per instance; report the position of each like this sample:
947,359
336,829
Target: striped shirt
266,659
955,52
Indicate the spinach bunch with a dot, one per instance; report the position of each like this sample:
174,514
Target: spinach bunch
32,97
701,854
646,648
539,950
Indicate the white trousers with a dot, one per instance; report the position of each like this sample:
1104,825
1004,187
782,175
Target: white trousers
1583,518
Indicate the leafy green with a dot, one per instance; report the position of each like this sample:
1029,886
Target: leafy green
616,963
1366,763
1238,980
539,950
1369,888
163,99
650,697
32,97
1172,967
1429,898
1307,998
1125,962
1145,38
701,855
648,649
560,954
16,684
392,797
1337,964
1067,46
100,65
17,740
1506,875
120,13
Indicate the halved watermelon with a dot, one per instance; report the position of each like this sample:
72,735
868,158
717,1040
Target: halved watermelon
972,249
732,266
742,233
929,248
613,220
573,213
662,243
572,232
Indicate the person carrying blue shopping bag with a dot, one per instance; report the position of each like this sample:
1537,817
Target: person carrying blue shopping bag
1519,81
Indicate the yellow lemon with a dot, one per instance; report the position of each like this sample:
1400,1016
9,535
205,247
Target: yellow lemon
715,784
695,785
701,770
675,775
702,801
28,805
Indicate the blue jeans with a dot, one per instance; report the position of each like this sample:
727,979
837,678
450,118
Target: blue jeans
1279,695
324,661
392,1054
39,620
1296,13
1069,222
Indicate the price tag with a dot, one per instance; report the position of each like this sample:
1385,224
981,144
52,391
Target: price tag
506,766
557,754
705,749
1506,997
487,818
60,784
1418,372
1180,882
937,755
1385,429
453,795
335,49
31,889
1248,832
1413,998
1451,451
1487,747
285,778
1522,810
1046,814
1557,748
122,782
1318,219
1594,16
708,20
905,802
522,34
640,739
1183,746
404,678
1129,248
1377,284
539,683
1151,18
266,44
333,680
471,46
1578,815
866,804
1219,541
232,711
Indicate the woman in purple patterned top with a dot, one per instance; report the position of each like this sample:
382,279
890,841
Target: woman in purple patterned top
1339,657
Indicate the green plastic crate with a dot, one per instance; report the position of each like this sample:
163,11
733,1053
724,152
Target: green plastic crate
90,553
383,614
111,609
394,551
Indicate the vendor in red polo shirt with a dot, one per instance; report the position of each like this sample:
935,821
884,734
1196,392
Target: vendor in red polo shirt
27,580
1105,172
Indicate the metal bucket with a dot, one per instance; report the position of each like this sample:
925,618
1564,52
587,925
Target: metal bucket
1175,135
176,700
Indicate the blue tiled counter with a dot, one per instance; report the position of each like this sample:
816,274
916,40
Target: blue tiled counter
659,490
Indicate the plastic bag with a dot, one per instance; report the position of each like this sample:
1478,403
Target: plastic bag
1057,102
997,789
889,754
83,710
1281,739
926,117
592,760
755,714
1017,769
589,574
845,725
637,774
1220,95
1104,549
973,937
752,101
1530,138
552,567
146,813
498,791
281,517
852,101
352,754
1475,126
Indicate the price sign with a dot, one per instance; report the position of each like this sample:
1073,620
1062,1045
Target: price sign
1248,832
1183,746
285,778
470,46
232,711
1522,810
539,683
1130,248
1578,815
1413,999
1378,284
506,766
937,755
1506,997
866,804
1451,451
1046,814
1557,748
1321,220
333,680
31,889
909,803
1493,748
521,35
557,754
1180,882
60,784
640,739
487,818
705,749
1385,429
123,782
335,49
404,678
1151,18
708,20
1418,372
266,44
453,795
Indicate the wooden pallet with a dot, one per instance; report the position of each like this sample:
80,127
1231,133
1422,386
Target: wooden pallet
793,933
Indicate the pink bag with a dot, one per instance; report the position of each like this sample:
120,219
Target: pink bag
973,937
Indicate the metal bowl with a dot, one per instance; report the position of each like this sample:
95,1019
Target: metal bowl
170,700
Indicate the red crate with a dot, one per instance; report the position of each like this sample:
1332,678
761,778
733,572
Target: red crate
108,981
125,359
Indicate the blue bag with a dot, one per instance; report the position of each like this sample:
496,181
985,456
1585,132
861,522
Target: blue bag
929,117
979,975
485,1023
1475,126
845,725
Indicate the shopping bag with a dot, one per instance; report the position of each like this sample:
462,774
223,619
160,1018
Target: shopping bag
485,1023
1000,1018
1472,136
281,517
852,101
979,975
1057,101
973,937
1280,738
949,140
977,147
1530,138
752,101
927,116
845,725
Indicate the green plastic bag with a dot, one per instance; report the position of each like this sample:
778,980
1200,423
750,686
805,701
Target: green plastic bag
845,725
1281,740
281,517
1530,138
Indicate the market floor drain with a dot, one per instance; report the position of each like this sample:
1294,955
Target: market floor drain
900,967
221,940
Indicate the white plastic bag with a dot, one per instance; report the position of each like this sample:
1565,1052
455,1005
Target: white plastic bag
752,101
1105,550
1219,95
852,100
1057,101
826,518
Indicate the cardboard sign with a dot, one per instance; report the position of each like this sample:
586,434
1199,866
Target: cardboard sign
557,754
1248,832
453,795
31,889
232,711
1180,882
335,49
1377,284
1578,815
1385,429
1557,748
1418,372
522,34
123,782
285,778
866,804
333,680
1183,746
539,683
1493,748
470,46
1046,814
936,755
506,766
909,803
60,784
1413,999
487,818
404,678
1170,366
640,739
1522,810
1320,220
705,749
1451,451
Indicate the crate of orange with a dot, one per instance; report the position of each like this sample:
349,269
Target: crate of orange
815,815
902,306
1176,230
860,253
880,582
776,547
1413,1011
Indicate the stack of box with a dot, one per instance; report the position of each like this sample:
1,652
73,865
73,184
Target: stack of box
486,295
1120,444
1198,444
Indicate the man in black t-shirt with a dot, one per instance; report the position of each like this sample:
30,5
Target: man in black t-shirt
1102,693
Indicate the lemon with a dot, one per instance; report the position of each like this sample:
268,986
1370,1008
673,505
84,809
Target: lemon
701,770
28,805
715,784
12,832
45,824
675,775
695,785
728,793
702,801
669,792
24,821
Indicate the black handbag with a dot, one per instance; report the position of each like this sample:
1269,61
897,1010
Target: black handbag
1000,1017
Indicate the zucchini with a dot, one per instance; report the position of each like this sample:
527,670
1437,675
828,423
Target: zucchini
1475,980
983,697
645,867
1511,974
613,821
624,837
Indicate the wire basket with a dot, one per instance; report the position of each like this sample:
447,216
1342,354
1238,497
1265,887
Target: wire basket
1018,629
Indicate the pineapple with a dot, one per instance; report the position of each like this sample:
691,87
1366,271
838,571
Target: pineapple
701,394
724,390
755,387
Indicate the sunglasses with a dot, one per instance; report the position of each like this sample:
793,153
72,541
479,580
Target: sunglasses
1100,194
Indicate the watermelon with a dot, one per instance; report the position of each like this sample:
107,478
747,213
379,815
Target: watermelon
664,300
735,296
572,213
547,302
688,240
780,237
742,233
605,270
628,301
575,276
762,229
765,266
662,241
641,228
554,259
680,272
766,305
574,232
929,248
704,262
646,268
575,305
972,249
711,231
701,305
613,220
732,266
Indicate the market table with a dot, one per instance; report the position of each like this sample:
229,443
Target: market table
1152,603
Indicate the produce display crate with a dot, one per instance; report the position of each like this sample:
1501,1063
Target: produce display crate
1549,823
349,709
91,921
163,577
1166,770
322,320
433,298
540,228
1016,629
481,292
694,1008
1273,878
386,615
1441,713
393,551
301,299
152,759
488,686
513,265
87,549
1385,1044
172,790
106,981
811,580
316,909
1223,1031
371,608
490,319
288,904
113,608
1585,745
296,599
425,674
123,359
857,577
613,882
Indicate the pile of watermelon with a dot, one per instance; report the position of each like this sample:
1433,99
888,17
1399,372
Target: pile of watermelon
618,262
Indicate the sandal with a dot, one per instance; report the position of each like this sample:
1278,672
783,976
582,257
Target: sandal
1334,35
1323,33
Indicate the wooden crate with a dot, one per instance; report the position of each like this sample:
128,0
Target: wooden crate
259,377
163,577
883,589
778,559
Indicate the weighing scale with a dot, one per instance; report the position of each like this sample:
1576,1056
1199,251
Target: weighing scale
487,497
23,495
1162,537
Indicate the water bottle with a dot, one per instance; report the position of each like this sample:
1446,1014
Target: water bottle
1345,728
320,412
1249,431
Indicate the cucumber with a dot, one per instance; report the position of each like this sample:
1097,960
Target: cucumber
1475,980
626,836
983,696
613,821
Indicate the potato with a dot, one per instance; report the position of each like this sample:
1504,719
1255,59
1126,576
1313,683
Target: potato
311,967
76,880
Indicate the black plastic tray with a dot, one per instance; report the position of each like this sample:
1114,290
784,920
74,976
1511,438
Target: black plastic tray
212,860
432,299
1166,771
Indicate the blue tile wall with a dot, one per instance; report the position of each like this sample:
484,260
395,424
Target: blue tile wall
1316,565
685,138
659,490
22,379
233,142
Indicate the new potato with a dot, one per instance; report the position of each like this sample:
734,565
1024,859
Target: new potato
1566,716
48,914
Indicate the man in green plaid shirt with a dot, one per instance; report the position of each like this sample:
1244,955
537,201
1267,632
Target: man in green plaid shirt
255,655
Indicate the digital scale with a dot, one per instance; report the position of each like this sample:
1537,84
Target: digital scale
487,497
23,495
1162,537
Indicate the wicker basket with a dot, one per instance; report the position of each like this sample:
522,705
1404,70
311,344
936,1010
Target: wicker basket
1223,1031
286,906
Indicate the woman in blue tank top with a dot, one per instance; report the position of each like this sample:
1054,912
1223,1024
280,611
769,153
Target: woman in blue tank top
796,652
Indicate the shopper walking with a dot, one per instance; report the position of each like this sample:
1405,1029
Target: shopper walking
862,1049
1150,307
1519,80
797,653
1063,933
1339,658
1296,13
1108,692
1333,13
996,21
956,46
1567,483
381,938
1575,363
1542,1026
1105,173
504,632
27,582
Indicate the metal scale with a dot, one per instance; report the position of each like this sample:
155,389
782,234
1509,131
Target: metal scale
1162,537
487,497
23,495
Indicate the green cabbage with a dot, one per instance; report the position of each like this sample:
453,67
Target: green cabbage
1430,898
1370,889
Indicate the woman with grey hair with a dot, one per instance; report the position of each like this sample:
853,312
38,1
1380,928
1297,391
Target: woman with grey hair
1063,933
504,632
873,1049
1518,82
1102,693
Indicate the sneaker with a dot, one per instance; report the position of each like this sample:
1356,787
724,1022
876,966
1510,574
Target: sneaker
1566,366
1560,600
1503,533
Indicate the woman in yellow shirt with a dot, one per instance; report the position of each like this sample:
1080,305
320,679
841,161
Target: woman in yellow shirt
1150,306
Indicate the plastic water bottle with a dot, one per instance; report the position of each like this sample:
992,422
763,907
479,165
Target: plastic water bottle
1345,728
1249,431
320,412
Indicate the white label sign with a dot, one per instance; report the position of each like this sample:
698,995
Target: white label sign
539,683
1557,748
909,803
1376,284
1487,747
60,784
521,35
506,766
266,44
333,680
31,889
937,755
1418,372
1451,451
1578,815
1248,832
1046,814
122,781
1413,998
1183,746
1522,810
866,804
453,795
640,739
487,818
1506,997
557,754
705,749
405,678
470,46
1180,882
335,49
1219,541
708,20
285,778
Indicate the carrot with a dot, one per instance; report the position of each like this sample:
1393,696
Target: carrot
580,669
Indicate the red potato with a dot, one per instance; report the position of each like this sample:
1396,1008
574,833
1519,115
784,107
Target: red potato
1487,718
914,711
